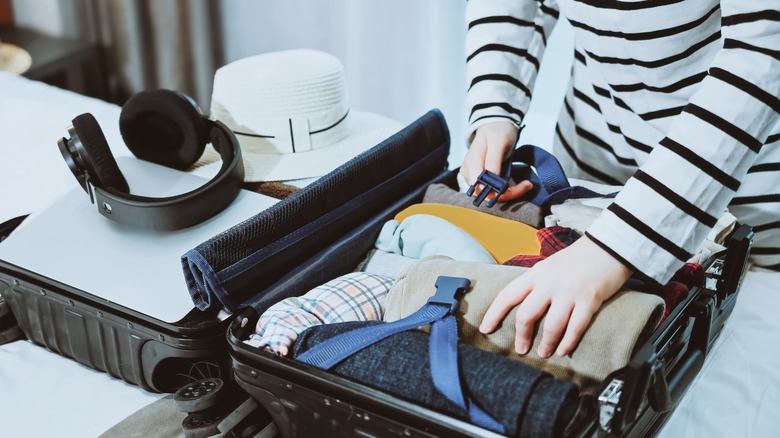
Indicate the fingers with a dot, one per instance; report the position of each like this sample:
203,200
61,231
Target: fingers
516,191
513,294
491,143
473,164
494,157
527,314
554,325
562,329
578,322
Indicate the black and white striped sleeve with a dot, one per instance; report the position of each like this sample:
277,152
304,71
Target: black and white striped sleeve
666,209
504,46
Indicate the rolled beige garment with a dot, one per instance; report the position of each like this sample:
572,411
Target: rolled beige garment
621,325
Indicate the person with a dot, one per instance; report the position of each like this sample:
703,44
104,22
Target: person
676,100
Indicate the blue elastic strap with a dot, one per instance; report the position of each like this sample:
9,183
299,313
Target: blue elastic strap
443,345
443,353
551,186
330,353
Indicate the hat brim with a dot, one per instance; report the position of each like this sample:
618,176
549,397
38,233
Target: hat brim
371,129
14,59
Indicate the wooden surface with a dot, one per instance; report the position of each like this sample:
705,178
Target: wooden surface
6,15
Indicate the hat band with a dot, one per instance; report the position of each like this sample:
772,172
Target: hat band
294,136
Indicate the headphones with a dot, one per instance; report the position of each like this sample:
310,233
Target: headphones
164,127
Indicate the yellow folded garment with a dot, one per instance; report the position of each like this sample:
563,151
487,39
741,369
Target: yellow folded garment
503,238
623,323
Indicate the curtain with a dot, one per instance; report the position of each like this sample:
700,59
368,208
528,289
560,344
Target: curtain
401,57
156,44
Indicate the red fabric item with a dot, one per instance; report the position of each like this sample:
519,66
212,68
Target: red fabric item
690,274
552,240
673,294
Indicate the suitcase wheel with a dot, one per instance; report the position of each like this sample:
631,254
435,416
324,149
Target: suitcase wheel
200,395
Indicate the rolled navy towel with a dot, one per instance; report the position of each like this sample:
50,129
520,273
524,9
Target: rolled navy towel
526,401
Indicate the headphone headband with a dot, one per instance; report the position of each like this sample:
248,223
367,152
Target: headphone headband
169,213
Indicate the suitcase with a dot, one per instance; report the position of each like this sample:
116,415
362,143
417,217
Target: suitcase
156,355
307,401
162,356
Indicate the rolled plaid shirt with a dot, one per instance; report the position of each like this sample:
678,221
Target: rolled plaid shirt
357,296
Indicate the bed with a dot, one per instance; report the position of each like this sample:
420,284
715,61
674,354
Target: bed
737,394
44,394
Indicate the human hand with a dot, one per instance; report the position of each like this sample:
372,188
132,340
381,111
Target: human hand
569,286
492,143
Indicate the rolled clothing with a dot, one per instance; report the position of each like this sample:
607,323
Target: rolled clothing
517,210
676,290
357,296
502,238
579,214
622,324
526,401
422,235
385,263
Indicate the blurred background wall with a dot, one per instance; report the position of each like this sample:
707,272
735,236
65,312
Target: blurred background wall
402,57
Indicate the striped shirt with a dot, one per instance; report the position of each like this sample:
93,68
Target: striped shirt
676,99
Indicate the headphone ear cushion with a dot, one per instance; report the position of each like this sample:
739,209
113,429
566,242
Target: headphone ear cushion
99,158
164,127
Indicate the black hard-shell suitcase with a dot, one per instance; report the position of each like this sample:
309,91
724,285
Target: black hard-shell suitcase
153,354
161,356
307,401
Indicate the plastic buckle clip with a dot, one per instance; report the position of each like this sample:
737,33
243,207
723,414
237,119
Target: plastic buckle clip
491,183
448,291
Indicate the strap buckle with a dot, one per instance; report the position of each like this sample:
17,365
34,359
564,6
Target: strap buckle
491,183
608,404
448,291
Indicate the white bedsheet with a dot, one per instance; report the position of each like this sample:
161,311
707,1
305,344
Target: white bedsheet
33,116
737,394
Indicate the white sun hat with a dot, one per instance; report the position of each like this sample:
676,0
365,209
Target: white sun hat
291,115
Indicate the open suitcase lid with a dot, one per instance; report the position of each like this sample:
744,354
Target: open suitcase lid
130,268
234,268
215,268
